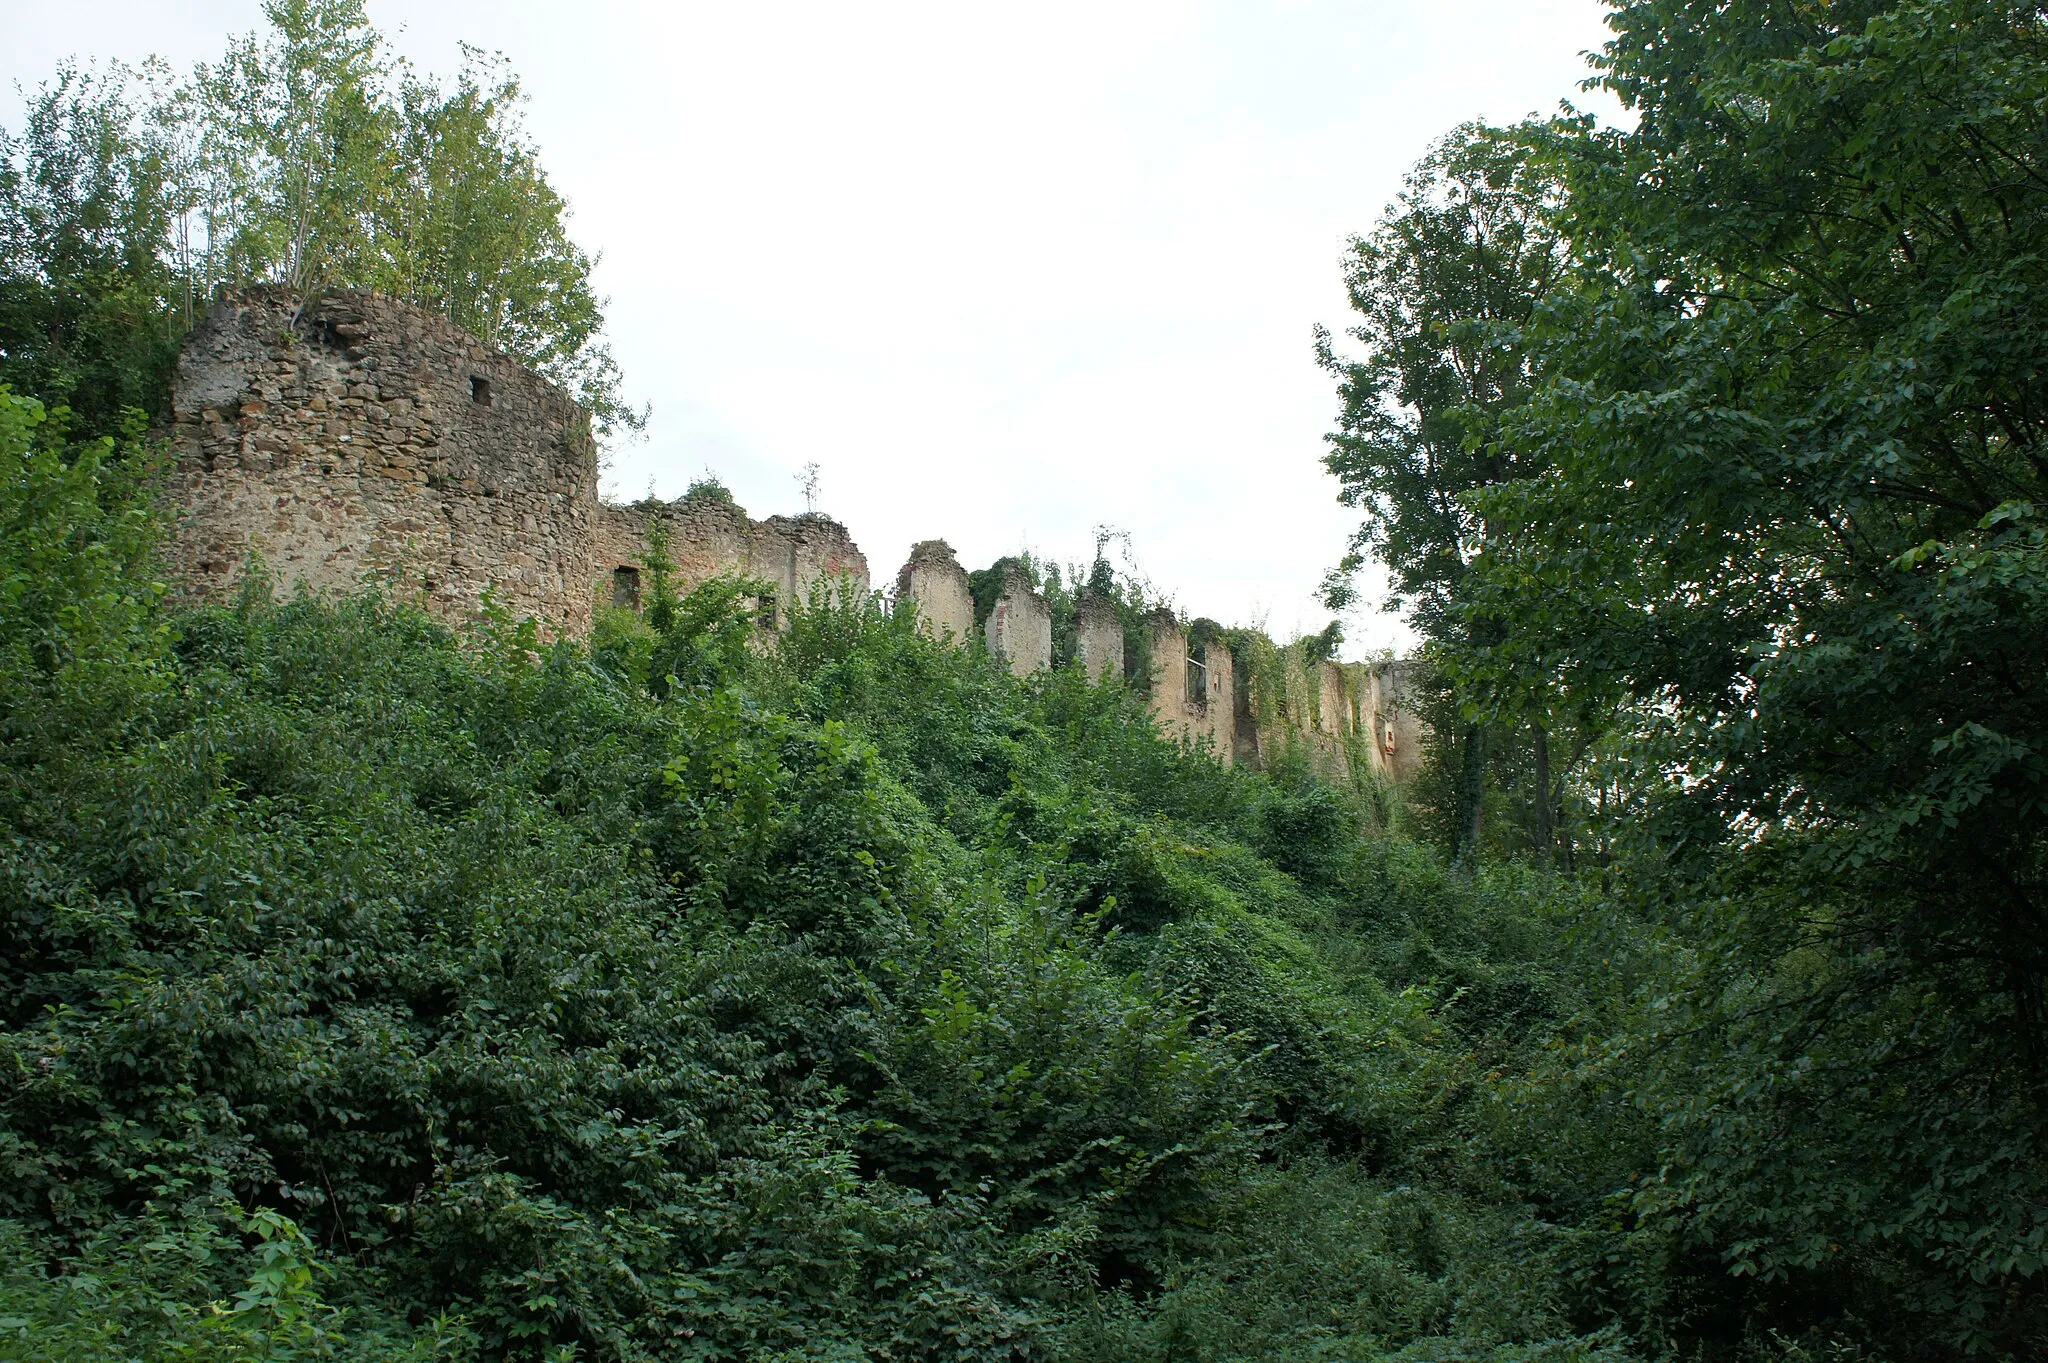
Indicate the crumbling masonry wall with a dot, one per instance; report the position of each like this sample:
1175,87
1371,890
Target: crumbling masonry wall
1399,736
361,440
1020,627
711,537
935,582
1194,688
347,439
1098,638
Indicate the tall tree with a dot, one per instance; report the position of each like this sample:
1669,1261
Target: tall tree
470,226
301,146
1443,290
85,205
1793,441
305,157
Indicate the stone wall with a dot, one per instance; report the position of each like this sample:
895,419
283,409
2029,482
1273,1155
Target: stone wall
935,581
360,440
1196,703
1399,736
363,440
1098,637
711,537
1020,627
357,440
1327,716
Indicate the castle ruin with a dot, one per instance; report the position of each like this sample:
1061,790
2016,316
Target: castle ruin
354,439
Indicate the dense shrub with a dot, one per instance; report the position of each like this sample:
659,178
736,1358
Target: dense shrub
403,989
370,989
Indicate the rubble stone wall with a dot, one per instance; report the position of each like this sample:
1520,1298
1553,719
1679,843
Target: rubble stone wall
346,438
357,439
711,537
361,440
1020,627
935,581
1098,638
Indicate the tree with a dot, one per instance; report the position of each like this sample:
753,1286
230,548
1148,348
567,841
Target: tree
471,227
307,158
1443,290
85,204
300,146
1789,466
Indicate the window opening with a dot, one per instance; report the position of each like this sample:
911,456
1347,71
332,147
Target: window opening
480,390
764,610
626,589
1198,677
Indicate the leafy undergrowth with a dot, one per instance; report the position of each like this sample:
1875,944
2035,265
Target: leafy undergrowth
375,990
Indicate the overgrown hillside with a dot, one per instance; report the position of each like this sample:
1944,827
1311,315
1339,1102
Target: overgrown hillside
374,990
676,997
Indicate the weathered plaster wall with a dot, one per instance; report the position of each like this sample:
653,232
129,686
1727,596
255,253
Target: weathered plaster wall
1398,734
934,579
1218,724
1020,627
1098,637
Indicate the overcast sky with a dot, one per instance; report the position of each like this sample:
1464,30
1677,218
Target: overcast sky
1004,273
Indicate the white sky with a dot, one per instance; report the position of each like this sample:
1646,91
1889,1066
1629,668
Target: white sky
1004,273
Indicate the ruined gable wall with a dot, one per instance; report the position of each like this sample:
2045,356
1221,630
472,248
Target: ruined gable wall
365,440
1218,724
933,579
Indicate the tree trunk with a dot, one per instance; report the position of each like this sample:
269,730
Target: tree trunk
1471,794
1546,825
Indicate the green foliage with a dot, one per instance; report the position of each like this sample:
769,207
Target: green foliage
89,303
701,994
369,989
708,487
1825,575
304,157
985,585
1756,534
1444,291
81,642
